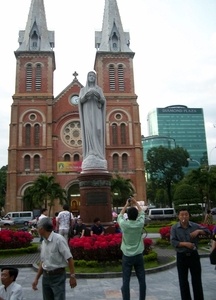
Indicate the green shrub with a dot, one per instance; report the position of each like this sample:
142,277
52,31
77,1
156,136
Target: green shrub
151,256
162,242
31,249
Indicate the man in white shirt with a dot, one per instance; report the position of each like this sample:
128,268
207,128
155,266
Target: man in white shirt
10,290
44,213
55,257
64,221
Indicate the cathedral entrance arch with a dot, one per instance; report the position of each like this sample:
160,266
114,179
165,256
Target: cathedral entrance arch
74,199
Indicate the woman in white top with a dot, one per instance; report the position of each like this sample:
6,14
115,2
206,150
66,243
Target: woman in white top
64,221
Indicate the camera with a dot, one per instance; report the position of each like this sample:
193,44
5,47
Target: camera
129,200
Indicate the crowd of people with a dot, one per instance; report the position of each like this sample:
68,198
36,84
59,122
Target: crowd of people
56,254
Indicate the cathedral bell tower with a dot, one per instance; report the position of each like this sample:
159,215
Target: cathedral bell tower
114,67
30,147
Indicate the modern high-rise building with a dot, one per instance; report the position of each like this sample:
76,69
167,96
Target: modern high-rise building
45,133
186,126
156,141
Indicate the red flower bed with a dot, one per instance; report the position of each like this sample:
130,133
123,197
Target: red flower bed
100,247
210,227
147,244
14,239
165,233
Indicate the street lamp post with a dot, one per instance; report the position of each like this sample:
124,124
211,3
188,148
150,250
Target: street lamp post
190,159
210,165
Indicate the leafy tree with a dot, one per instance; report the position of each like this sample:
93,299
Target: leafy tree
187,197
151,191
3,184
161,197
164,166
121,189
44,192
204,180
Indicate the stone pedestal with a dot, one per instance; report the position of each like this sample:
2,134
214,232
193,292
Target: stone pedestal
95,197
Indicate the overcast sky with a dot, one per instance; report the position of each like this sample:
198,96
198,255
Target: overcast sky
174,42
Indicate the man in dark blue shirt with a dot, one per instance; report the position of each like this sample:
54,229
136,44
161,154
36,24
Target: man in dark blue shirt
184,238
97,228
80,228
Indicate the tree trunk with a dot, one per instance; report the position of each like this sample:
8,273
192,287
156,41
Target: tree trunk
169,194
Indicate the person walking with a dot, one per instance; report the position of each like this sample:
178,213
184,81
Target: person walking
132,247
54,221
10,290
64,221
44,213
184,238
208,218
55,256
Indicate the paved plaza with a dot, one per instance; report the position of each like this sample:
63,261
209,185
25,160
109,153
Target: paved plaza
160,286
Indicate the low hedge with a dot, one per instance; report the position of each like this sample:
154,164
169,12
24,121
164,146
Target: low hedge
31,249
152,256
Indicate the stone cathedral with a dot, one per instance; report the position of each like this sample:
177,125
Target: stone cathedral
45,134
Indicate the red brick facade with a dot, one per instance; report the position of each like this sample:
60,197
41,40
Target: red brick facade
45,130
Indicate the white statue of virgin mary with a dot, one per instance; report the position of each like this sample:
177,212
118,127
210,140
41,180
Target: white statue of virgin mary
92,111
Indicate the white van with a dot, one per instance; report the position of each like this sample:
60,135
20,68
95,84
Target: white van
162,214
19,217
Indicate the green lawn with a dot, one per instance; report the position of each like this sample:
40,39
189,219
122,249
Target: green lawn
152,229
116,268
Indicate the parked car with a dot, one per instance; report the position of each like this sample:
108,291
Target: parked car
6,222
213,211
19,217
162,213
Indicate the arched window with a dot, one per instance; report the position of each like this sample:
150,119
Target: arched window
76,157
36,162
36,135
123,134
112,77
124,162
114,134
38,78
27,163
28,135
67,157
28,78
121,78
116,162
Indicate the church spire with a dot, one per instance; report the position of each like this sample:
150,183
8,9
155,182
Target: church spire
36,37
112,37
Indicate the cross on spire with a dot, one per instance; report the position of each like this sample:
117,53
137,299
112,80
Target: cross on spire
75,74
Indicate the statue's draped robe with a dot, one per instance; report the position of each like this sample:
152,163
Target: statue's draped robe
92,112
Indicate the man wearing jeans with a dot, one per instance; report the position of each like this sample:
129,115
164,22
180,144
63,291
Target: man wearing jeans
132,247
184,238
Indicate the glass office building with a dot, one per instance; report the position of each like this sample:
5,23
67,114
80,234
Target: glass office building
156,141
186,126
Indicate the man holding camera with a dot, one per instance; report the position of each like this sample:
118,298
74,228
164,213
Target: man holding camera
132,247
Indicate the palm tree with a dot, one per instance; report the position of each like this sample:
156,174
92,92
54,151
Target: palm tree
44,192
121,189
